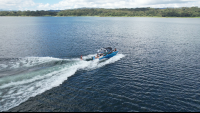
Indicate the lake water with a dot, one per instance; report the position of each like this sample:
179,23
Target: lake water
157,67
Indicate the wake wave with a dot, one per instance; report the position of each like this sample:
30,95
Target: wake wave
27,77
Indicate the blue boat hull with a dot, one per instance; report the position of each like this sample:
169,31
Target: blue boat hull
107,56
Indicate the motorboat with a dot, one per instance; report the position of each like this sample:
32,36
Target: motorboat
105,53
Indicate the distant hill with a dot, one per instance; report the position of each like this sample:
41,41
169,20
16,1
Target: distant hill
54,10
117,12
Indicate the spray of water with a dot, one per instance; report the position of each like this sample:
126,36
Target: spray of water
45,73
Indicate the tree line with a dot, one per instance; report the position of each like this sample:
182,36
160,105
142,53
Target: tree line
28,13
128,12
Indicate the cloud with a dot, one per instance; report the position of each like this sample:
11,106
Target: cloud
43,6
68,4
158,2
71,4
17,4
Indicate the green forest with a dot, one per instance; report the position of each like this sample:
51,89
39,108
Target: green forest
121,12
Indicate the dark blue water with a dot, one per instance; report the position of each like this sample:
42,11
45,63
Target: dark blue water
157,67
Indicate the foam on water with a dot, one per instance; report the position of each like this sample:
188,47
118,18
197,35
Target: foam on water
2,66
97,64
18,88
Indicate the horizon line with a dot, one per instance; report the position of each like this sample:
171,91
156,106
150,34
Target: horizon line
97,8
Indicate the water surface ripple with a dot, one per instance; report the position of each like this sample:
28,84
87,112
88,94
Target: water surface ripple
157,68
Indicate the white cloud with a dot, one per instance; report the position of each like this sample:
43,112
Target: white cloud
17,4
70,4
43,6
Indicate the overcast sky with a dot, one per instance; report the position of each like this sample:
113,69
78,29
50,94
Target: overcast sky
71,4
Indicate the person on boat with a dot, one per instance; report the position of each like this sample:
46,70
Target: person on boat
101,54
115,49
97,56
81,57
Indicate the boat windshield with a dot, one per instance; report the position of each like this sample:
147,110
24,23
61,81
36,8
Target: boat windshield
104,50
109,49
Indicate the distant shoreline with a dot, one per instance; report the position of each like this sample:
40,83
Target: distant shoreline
184,12
103,16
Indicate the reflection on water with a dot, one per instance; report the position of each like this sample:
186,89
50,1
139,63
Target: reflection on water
156,69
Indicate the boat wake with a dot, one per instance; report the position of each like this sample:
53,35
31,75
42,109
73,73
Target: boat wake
22,78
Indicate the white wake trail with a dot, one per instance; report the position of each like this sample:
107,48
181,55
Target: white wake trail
19,88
